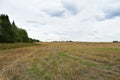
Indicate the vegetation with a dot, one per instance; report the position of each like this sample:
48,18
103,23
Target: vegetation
6,46
10,33
62,61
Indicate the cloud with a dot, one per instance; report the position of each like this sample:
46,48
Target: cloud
30,21
112,13
55,13
70,6
61,33
79,20
36,22
109,14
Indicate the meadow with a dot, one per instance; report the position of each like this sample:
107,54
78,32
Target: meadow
60,61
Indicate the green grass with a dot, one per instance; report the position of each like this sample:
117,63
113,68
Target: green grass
4,46
34,70
88,63
62,54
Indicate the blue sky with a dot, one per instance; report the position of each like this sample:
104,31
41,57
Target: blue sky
78,20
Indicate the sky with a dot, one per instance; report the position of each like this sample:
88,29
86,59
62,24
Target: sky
58,20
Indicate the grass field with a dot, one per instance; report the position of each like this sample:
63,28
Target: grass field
61,61
4,46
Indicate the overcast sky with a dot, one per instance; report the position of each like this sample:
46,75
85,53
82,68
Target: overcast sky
78,20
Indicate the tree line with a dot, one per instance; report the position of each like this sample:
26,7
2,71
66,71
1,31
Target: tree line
10,33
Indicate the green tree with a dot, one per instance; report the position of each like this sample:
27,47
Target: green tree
10,33
6,29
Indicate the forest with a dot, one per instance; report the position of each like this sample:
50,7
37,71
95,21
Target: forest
10,33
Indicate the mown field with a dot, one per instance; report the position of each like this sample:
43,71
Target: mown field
61,61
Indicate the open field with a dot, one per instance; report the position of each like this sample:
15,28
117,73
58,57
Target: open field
61,61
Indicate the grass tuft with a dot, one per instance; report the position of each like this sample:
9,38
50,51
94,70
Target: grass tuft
62,54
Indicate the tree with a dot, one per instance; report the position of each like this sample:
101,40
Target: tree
6,29
10,33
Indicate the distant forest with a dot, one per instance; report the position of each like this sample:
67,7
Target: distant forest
10,33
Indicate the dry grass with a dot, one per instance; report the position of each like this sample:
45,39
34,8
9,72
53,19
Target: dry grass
62,61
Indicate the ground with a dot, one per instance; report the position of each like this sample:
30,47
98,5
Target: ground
61,61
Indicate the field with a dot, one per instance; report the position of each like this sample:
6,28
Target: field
60,61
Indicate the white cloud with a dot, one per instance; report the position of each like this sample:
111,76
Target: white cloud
82,20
